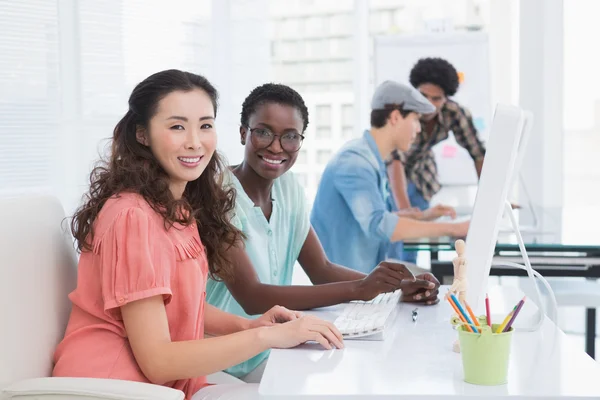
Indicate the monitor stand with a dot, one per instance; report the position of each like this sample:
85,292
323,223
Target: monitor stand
532,274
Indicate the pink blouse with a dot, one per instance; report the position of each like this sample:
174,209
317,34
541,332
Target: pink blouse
133,257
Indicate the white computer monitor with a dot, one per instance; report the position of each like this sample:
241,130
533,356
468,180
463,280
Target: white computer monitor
516,178
523,142
497,177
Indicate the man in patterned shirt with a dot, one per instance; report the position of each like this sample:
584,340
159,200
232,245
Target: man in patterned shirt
413,175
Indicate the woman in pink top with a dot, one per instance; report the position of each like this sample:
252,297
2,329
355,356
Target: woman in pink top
153,226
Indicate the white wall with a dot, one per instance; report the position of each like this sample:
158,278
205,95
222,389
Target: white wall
541,91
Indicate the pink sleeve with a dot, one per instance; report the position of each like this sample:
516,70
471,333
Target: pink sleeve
136,261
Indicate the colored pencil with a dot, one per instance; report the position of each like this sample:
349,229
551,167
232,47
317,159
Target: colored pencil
519,306
475,321
508,317
462,318
487,311
460,307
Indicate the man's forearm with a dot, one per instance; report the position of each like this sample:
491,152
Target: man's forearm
478,167
397,179
407,228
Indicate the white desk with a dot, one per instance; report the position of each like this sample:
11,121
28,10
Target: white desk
416,361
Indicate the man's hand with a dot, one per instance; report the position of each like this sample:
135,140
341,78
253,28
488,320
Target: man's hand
275,315
386,277
459,229
423,290
439,211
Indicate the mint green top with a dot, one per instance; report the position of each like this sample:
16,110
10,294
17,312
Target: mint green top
273,246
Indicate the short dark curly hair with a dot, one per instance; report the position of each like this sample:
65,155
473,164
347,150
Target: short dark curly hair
436,71
273,93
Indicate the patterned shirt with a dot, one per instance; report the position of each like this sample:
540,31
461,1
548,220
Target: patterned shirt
419,162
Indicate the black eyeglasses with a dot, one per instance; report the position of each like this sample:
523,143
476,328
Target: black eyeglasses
262,138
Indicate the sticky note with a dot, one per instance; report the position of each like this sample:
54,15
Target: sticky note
449,151
461,77
479,123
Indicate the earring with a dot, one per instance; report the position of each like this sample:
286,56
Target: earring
243,142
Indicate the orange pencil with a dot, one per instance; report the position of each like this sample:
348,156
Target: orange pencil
475,320
460,315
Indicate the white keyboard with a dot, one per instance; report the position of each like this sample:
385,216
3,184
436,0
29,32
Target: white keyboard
367,319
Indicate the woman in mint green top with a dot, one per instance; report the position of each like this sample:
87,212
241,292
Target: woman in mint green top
273,246
272,212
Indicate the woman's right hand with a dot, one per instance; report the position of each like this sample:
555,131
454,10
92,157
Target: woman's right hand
304,329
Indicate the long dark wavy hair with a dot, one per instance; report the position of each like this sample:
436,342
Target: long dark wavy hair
132,167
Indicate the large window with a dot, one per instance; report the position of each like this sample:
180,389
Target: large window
581,114
314,50
29,95
69,66
67,70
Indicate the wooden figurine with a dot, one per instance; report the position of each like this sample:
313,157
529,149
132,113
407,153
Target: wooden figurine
459,285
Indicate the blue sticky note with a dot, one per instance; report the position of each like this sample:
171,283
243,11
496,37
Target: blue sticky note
479,123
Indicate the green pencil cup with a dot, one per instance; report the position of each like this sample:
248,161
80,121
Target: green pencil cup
485,356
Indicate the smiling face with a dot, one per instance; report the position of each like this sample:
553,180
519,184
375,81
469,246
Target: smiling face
182,136
270,161
435,95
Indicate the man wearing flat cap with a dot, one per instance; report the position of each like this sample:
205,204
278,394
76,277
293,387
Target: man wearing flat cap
351,215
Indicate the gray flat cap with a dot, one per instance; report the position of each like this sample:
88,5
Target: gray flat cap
390,92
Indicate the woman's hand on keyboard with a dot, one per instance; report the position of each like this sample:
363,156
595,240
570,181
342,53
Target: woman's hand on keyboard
424,290
307,328
386,277
275,315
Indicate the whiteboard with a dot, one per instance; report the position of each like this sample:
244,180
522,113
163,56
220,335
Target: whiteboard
394,57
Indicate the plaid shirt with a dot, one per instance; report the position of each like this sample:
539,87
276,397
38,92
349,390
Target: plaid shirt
419,162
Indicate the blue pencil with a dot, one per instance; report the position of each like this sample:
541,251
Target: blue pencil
461,309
